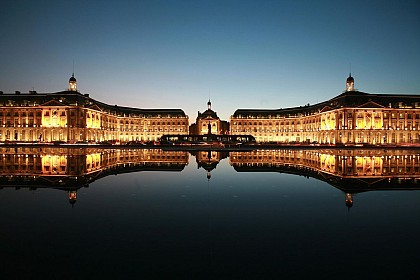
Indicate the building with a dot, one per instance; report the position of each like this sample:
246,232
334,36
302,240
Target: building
352,117
70,116
209,123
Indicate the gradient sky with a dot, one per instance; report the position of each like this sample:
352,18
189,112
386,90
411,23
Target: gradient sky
241,54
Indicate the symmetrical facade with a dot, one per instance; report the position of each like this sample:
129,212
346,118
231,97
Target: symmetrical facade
350,118
70,116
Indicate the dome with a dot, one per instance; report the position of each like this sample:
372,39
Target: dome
350,83
72,83
72,197
208,114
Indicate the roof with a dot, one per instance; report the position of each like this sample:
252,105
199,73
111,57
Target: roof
207,114
352,99
74,98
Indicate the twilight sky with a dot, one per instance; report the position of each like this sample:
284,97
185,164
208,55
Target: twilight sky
241,54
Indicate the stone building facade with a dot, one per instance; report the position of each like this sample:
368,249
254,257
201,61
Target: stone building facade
209,123
352,117
70,116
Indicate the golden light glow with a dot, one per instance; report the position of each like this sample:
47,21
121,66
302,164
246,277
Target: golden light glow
53,164
93,119
345,163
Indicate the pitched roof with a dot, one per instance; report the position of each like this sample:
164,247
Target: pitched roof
73,98
352,99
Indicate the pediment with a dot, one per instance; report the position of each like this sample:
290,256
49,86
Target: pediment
95,107
325,109
371,181
53,103
371,104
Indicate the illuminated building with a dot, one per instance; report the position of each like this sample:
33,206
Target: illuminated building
209,123
352,117
70,116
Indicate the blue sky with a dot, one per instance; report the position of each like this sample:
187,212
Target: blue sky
241,54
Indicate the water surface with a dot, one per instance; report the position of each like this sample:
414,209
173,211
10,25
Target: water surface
79,213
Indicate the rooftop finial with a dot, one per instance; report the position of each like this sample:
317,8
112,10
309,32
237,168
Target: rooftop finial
350,70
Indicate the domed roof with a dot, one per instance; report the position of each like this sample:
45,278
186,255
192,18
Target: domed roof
350,78
72,79
209,114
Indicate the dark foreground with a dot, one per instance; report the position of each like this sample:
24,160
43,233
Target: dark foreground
251,222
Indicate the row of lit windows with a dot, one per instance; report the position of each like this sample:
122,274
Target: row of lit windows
311,114
89,114
364,114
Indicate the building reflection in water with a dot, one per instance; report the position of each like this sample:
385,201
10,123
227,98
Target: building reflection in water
70,169
350,170
208,160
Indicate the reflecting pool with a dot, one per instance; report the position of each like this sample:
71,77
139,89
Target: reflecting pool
262,214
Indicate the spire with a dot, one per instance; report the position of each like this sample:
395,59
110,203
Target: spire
209,105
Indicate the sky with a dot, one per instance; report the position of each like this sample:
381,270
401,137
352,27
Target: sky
240,54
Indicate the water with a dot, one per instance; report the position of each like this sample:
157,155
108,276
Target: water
79,213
